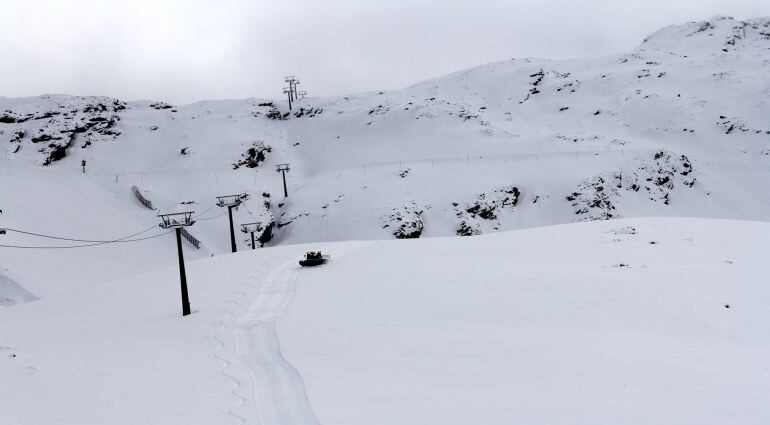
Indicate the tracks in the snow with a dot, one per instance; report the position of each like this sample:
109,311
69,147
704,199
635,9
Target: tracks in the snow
249,346
223,339
226,364
279,391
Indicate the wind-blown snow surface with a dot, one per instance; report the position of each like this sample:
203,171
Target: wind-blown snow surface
579,323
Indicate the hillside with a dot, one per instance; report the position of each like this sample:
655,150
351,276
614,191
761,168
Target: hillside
675,128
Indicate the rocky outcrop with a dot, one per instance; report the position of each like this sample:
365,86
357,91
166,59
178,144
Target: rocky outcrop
486,207
405,222
253,156
598,197
57,127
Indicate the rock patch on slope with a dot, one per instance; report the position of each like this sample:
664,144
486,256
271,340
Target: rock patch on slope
405,222
598,197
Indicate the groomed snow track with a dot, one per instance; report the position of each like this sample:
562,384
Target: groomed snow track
279,391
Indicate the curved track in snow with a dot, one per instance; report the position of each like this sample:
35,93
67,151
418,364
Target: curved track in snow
225,363
279,391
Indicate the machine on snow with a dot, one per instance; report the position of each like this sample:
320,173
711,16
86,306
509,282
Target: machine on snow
313,258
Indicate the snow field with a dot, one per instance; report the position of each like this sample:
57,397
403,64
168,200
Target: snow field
565,324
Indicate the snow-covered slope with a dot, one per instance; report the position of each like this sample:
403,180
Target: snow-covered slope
635,321
676,128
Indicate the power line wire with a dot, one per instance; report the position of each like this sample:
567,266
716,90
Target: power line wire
204,212
249,211
86,245
90,242
211,218
79,240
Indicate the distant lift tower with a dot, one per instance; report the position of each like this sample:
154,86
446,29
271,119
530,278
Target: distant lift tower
283,168
177,221
230,201
290,93
251,228
290,80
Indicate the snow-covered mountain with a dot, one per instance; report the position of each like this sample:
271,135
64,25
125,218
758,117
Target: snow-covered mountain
639,320
677,127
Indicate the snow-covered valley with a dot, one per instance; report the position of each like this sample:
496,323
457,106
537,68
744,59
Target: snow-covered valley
569,304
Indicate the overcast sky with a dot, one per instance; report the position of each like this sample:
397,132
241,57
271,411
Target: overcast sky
187,50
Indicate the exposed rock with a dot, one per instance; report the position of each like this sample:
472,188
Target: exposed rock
44,138
468,229
308,113
598,196
161,105
9,117
17,136
255,155
486,206
85,120
734,125
379,110
266,234
405,222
